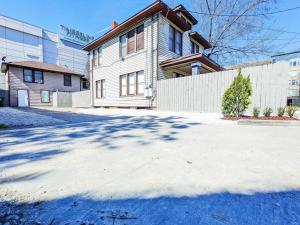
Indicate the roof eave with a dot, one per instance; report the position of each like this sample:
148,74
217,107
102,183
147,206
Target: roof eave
201,40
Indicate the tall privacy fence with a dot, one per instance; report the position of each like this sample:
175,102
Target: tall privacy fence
80,99
203,93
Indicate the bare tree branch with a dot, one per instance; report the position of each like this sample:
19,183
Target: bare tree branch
236,36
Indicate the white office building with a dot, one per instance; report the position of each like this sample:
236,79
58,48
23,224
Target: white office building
20,41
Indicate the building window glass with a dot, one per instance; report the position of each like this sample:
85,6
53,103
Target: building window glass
131,41
123,45
67,80
140,82
131,84
100,56
178,44
28,75
175,41
38,77
194,48
85,84
45,96
100,89
33,76
123,85
140,37
171,38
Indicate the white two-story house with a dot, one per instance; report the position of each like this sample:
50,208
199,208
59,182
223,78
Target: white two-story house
156,43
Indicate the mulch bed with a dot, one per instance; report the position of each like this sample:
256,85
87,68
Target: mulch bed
257,118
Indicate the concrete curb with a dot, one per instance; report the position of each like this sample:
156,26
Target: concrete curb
269,122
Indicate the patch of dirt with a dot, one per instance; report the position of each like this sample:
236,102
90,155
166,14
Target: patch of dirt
234,118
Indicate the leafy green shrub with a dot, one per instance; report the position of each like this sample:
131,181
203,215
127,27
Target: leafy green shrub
1,102
256,111
267,111
236,98
291,110
280,111
2,126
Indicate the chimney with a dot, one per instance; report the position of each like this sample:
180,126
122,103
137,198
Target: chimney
114,24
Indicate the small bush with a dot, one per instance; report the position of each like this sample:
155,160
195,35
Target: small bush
1,102
2,126
280,111
256,111
267,111
291,110
236,98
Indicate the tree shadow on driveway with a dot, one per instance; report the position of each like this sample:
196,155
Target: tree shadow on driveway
19,147
104,131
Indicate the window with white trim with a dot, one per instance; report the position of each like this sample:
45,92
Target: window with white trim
100,88
123,85
140,80
45,96
132,84
175,40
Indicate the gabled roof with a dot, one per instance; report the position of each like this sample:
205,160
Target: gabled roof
157,6
192,58
189,16
41,66
201,40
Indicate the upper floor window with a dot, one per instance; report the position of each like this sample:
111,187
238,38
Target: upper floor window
175,40
294,62
123,45
140,38
132,42
67,80
33,76
194,48
100,55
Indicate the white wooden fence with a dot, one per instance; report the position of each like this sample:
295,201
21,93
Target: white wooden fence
203,93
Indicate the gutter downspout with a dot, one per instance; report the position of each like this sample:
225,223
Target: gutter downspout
91,82
151,66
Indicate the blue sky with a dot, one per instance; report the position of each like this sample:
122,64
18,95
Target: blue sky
92,16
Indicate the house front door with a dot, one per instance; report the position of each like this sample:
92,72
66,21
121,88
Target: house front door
23,98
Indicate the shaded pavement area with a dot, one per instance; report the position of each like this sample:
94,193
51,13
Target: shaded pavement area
125,169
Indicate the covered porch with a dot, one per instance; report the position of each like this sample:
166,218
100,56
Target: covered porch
194,64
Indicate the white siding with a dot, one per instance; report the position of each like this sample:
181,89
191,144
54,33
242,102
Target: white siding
112,67
164,52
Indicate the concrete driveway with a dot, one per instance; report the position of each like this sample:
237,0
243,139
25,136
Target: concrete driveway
150,169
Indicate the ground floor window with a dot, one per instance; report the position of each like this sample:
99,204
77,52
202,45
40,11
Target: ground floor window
140,80
45,96
100,88
67,80
132,84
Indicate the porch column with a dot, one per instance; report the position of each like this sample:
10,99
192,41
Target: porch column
196,68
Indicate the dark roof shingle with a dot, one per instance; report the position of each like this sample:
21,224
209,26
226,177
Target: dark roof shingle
42,66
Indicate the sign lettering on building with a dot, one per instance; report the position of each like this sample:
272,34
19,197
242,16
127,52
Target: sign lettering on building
75,36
